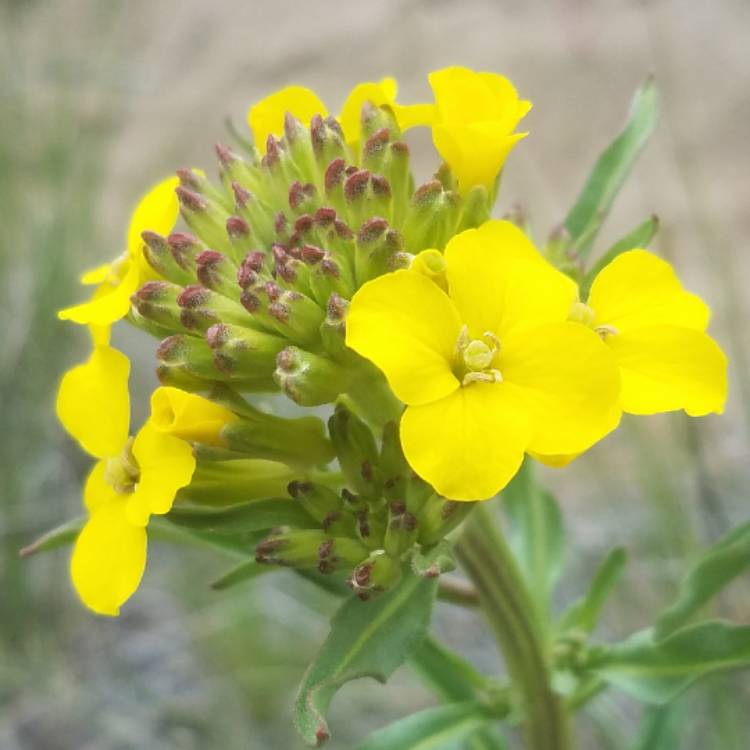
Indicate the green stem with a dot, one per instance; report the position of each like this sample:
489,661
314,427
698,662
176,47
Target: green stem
507,604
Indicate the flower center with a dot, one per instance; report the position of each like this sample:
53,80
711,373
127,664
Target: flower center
580,312
475,358
122,473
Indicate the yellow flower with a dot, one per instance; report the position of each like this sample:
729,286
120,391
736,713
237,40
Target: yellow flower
267,116
474,117
132,479
656,332
188,416
117,281
490,369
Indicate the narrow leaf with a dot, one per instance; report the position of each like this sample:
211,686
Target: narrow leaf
440,728
661,727
584,614
254,515
367,639
720,565
656,671
641,236
537,536
613,166
245,571
61,536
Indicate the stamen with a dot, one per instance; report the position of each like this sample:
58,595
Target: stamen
605,330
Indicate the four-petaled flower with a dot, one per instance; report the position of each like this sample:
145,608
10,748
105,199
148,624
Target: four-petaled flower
133,478
489,369
656,333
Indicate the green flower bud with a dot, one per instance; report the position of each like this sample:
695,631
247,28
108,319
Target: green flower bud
375,575
402,529
357,452
309,379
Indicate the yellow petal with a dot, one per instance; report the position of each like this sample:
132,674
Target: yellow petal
188,416
499,282
412,115
156,211
96,275
267,116
166,464
97,491
465,96
93,402
568,381
665,368
109,558
109,303
100,335
469,444
475,152
380,94
408,327
640,289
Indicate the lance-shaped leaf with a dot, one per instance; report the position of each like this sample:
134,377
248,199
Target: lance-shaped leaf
367,639
656,671
721,564
244,571
537,536
248,517
60,536
609,173
440,728
661,727
584,614
641,236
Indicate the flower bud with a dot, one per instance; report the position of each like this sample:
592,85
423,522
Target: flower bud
431,218
157,301
402,529
357,452
206,218
188,416
298,442
217,272
317,499
375,575
201,308
440,516
241,352
158,255
185,248
308,379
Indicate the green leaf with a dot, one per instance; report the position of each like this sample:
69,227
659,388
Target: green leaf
722,563
537,535
61,536
641,236
453,679
242,545
440,728
367,639
255,515
609,173
584,614
656,671
661,727
245,571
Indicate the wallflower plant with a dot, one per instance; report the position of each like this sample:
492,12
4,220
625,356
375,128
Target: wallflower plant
446,354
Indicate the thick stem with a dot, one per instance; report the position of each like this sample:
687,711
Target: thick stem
489,563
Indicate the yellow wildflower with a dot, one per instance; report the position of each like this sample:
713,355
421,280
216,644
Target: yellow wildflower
266,117
474,118
490,369
132,479
117,281
656,332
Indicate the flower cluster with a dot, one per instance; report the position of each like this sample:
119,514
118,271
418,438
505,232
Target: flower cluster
316,269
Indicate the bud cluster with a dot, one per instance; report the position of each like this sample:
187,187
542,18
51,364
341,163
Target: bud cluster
370,524
256,294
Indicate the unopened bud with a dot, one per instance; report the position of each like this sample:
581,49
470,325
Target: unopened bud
317,499
157,301
159,257
217,272
185,248
307,378
402,529
378,573
239,350
440,516
357,452
202,308
206,218
431,218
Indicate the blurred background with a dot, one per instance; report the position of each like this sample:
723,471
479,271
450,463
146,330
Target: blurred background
100,99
